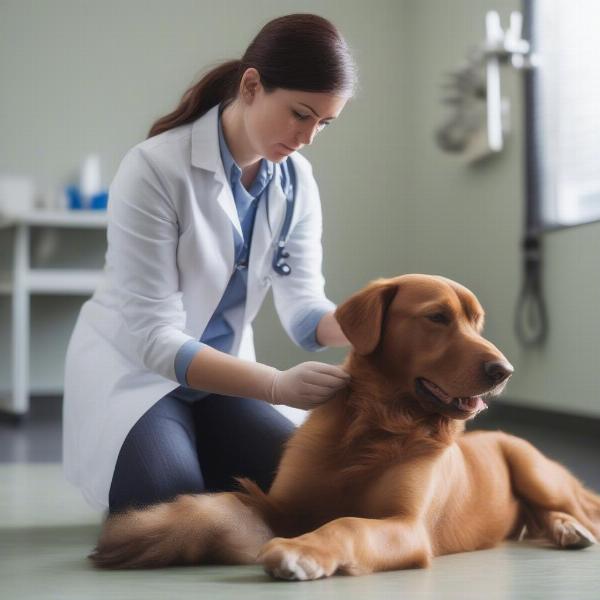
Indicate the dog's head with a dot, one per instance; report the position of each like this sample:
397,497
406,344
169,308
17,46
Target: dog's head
421,334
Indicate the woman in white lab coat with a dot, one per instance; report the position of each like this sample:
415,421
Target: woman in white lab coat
162,391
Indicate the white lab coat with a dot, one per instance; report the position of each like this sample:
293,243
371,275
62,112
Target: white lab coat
169,260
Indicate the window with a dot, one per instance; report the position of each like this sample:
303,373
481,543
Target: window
564,110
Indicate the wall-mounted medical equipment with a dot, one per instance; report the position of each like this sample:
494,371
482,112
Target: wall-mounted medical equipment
477,127
479,115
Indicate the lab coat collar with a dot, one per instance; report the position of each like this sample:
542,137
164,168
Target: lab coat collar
205,142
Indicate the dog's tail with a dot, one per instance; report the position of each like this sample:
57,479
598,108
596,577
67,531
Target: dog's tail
211,528
281,519
253,497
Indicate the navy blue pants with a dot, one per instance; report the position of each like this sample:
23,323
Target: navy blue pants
180,447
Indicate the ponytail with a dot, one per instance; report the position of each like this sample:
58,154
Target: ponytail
215,87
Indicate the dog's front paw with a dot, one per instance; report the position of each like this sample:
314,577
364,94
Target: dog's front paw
296,559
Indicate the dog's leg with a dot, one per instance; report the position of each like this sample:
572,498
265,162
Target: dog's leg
548,489
189,530
350,545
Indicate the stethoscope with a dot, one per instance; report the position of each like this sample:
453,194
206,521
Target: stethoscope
280,255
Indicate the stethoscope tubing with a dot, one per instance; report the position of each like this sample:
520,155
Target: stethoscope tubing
280,266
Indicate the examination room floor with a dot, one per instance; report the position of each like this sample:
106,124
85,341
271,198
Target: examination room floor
46,530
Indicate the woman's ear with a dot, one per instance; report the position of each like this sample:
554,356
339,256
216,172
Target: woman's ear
249,84
361,316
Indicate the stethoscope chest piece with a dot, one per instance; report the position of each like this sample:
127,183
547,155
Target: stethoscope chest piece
279,264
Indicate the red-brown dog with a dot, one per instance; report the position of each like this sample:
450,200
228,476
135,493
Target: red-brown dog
380,477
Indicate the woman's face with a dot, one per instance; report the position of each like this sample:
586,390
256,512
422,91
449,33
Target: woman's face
282,121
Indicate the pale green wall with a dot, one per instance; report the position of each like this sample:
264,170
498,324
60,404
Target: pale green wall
79,76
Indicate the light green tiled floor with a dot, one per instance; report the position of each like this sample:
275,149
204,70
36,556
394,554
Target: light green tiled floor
46,530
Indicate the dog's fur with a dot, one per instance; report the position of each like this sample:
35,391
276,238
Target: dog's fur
380,477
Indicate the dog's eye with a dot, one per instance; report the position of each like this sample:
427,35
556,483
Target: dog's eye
439,318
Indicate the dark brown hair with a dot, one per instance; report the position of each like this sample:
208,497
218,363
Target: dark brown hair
296,52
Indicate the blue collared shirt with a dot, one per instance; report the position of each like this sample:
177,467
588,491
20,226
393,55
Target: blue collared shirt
219,333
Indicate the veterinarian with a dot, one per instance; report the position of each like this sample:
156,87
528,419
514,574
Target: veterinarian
163,395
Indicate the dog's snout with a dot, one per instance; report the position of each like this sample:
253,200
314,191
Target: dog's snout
498,370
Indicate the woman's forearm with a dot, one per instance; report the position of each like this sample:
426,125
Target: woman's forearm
329,332
221,373
305,386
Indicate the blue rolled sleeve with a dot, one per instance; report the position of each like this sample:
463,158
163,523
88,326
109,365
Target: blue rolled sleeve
305,328
183,358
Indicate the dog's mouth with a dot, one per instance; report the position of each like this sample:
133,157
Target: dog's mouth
436,397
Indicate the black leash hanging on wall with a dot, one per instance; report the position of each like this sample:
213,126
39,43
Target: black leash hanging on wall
531,317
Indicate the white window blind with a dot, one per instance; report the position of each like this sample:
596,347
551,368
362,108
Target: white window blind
567,42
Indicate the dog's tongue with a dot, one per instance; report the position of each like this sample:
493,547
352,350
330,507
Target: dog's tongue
475,403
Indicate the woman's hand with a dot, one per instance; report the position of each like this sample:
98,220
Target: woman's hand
307,385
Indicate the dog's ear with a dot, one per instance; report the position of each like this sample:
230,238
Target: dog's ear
361,316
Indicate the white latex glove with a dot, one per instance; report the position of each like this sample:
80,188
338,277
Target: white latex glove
307,385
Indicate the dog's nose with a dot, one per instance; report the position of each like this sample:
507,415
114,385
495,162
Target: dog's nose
498,370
